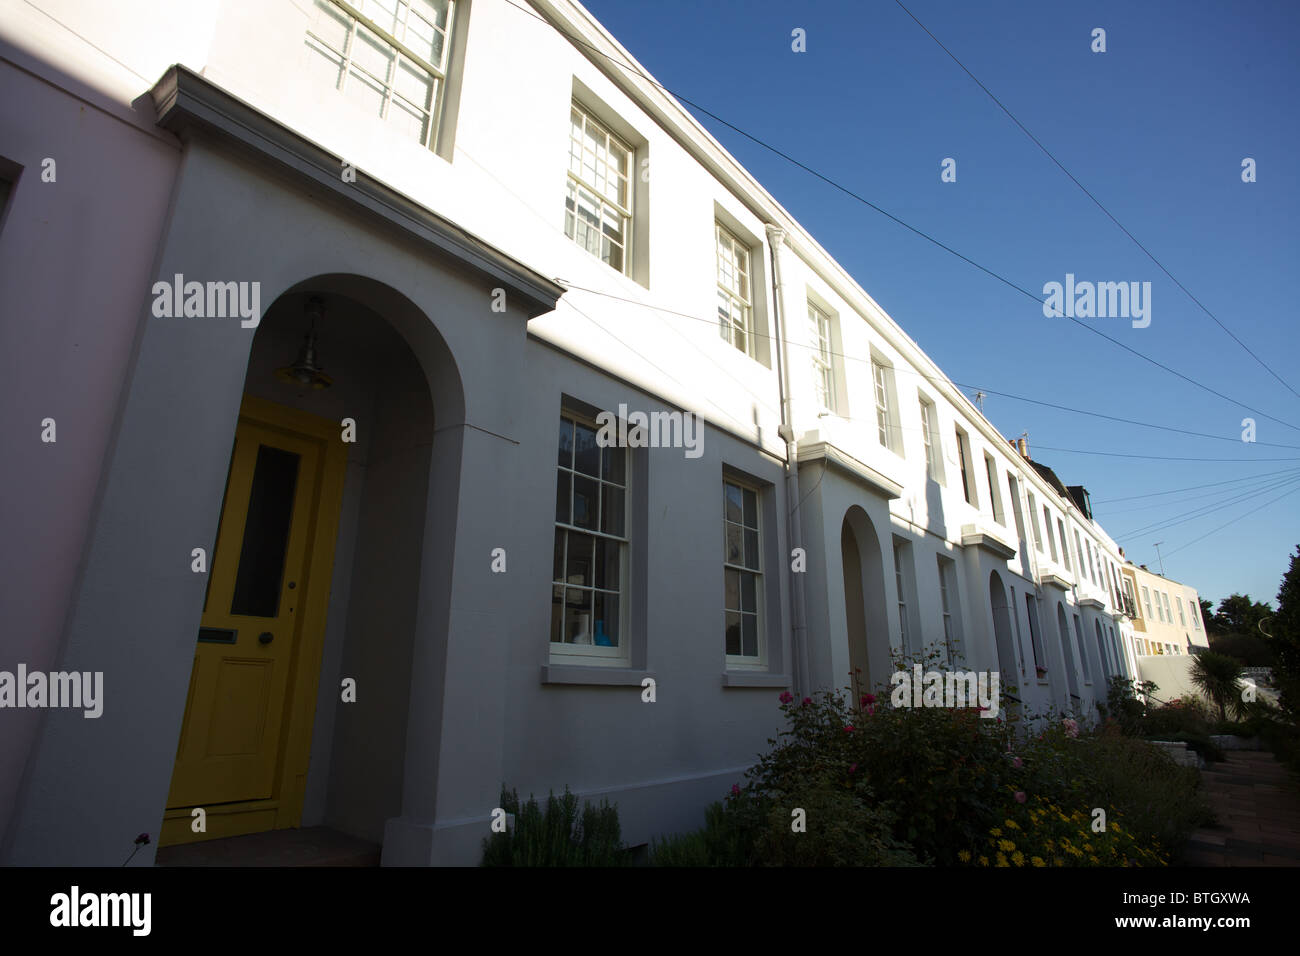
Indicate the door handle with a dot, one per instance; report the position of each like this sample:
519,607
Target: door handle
266,637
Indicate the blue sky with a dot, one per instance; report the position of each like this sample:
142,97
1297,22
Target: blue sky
1156,128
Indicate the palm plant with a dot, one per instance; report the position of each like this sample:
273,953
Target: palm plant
1219,677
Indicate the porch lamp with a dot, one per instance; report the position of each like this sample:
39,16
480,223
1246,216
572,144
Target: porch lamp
304,371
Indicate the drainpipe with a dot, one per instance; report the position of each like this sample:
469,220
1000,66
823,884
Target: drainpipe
801,678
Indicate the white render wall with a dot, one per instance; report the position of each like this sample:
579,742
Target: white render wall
505,184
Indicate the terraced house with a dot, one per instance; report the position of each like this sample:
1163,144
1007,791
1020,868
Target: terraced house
314,308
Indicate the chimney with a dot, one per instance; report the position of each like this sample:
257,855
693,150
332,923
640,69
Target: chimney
1022,446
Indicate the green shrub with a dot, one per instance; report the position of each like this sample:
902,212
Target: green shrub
561,835
1157,801
840,827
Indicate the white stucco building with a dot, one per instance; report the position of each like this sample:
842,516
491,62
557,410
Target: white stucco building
428,578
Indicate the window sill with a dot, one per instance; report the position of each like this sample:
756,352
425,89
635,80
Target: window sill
594,675
754,679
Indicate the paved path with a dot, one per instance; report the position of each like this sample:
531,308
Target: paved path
1258,806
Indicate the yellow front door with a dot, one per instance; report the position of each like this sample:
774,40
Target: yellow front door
242,742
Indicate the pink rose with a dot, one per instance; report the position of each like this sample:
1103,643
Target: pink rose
735,790
1017,763
1020,796
853,769
848,729
807,701
786,697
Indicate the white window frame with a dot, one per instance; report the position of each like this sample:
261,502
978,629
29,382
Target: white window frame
1146,599
1051,534
1195,612
970,488
1065,543
1033,517
742,660
823,363
930,437
880,384
995,497
900,584
729,251
357,13
947,600
592,653
602,167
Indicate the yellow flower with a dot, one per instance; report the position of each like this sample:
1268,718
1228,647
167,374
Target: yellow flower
995,832
1002,860
1093,857
1036,861
984,861
963,855
1018,858
1006,846
1012,824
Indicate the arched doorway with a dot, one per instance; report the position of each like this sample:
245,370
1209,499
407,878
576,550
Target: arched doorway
864,602
298,706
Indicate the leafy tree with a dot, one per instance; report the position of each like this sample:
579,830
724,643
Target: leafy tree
1285,640
1252,650
1238,614
1219,676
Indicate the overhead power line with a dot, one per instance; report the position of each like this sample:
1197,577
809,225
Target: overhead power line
1232,522
1048,153
1151,506
930,378
862,199
1174,491
1203,510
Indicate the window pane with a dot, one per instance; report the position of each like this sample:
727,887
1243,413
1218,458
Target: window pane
579,560
731,498
365,92
587,452
414,84
613,461
607,564
372,54
735,545
410,121
563,498
266,534
751,549
566,443
749,622
584,502
577,616
606,633
733,632
557,567
731,589
749,592
611,518
751,509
